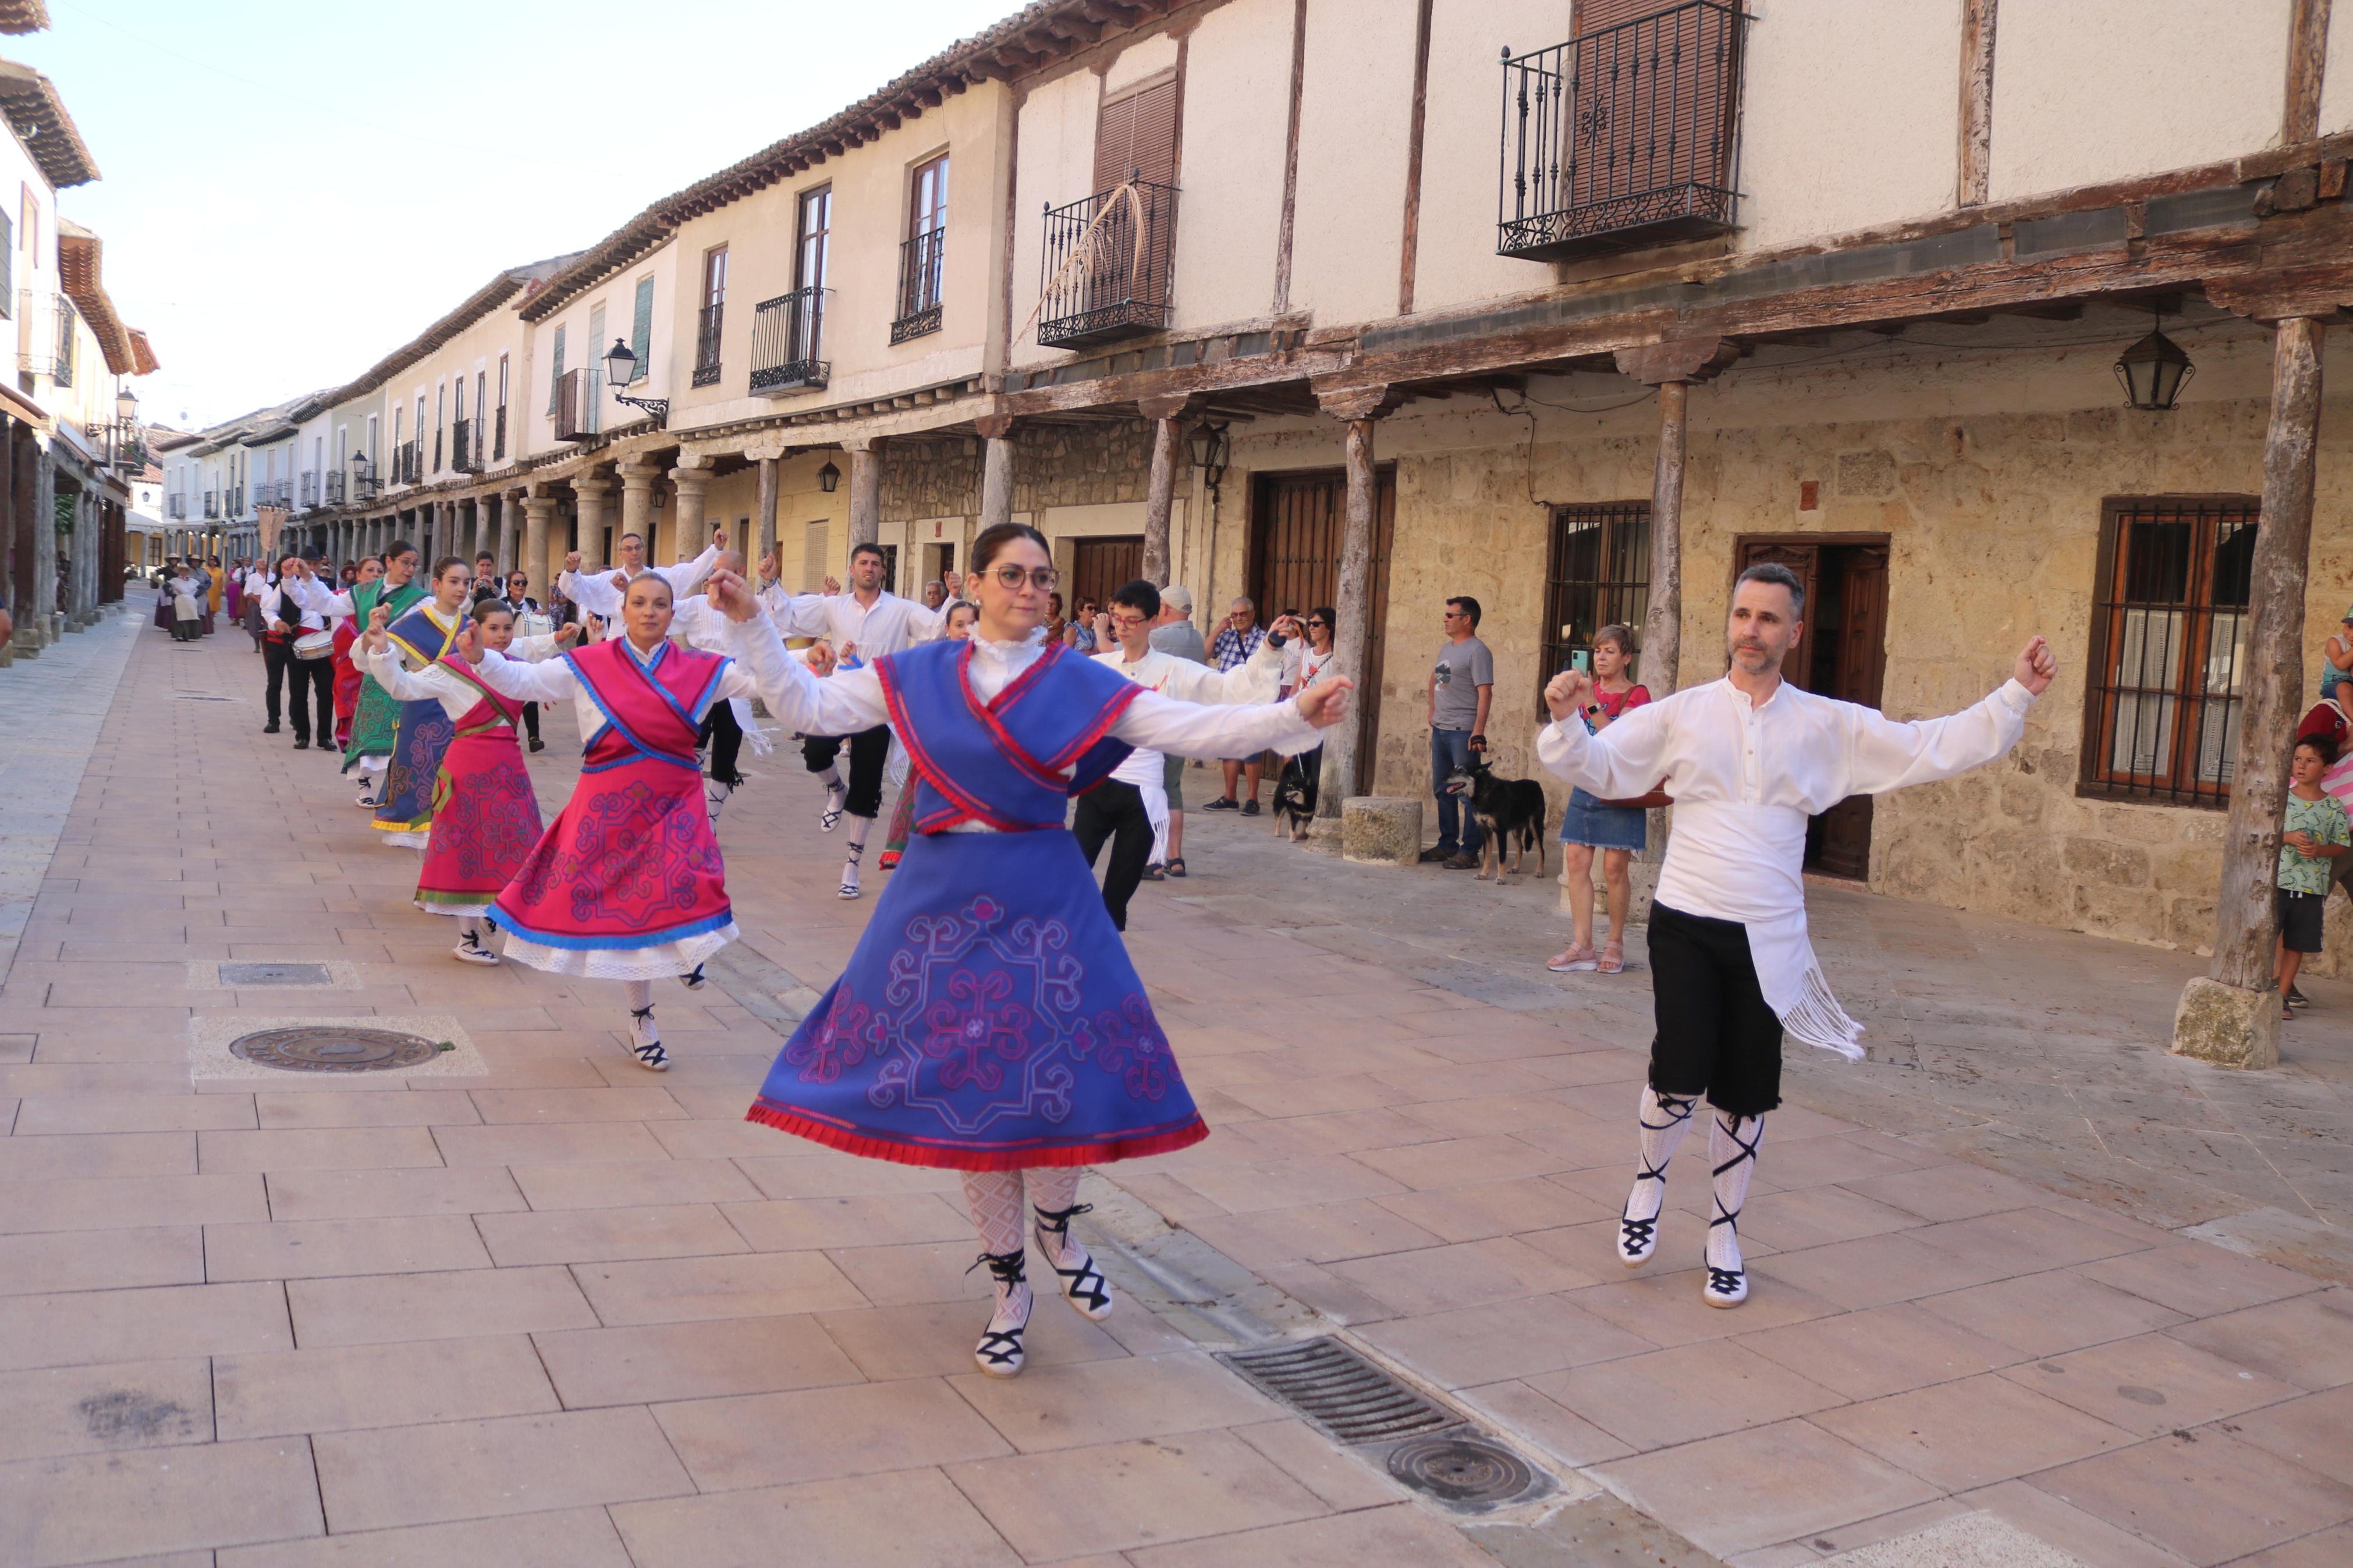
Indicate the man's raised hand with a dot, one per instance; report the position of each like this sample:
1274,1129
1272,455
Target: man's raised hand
1325,703
1567,692
572,560
732,597
567,634
2035,666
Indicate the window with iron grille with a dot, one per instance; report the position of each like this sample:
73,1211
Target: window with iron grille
2168,649
923,256
1600,575
499,448
67,318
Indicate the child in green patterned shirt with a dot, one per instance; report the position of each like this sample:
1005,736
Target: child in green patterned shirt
2314,832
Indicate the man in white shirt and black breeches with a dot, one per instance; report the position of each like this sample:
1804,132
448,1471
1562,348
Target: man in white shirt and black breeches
1747,760
862,625
1122,807
293,604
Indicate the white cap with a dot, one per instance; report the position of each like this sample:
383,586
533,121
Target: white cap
1180,596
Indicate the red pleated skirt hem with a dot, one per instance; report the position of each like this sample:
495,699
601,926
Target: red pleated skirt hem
968,1157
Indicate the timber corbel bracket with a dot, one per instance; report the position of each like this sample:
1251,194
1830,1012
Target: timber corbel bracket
1684,360
2323,292
1358,401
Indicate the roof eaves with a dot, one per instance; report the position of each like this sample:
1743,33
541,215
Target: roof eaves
1030,40
38,116
509,282
79,254
23,15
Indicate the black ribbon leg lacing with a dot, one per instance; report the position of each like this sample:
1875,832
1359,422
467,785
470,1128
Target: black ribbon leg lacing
1083,1287
1731,1285
1000,1351
650,1053
693,979
1637,1238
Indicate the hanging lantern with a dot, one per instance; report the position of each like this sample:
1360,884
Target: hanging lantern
2153,372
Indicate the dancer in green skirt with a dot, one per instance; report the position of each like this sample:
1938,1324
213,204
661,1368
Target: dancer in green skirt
372,727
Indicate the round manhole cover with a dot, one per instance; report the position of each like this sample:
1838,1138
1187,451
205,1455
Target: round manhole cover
335,1050
1461,1469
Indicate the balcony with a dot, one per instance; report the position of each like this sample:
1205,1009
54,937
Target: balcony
706,343
273,493
499,436
212,504
62,372
464,448
176,508
923,266
1626,137
788,343
235,500
1109,267
335,487
308,491
579,404
408,463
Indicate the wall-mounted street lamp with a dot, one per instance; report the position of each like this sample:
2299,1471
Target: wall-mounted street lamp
829,478
2154,371
620,370
125,449
1210,451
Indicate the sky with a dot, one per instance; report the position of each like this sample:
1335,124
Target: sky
289,191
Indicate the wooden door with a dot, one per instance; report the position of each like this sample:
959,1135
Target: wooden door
1101,567
1296,525
1841,652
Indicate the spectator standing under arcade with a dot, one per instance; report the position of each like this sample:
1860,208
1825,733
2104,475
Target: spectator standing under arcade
1461,686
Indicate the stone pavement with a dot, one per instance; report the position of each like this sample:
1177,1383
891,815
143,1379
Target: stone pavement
563,1312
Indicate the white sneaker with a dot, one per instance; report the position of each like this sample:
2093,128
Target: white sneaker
470,950
645,1043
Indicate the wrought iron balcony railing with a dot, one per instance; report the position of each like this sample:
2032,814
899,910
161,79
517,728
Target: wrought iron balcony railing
579,404
175,505
408,463
1624,137
923,267
62,372
335,487
788,343
236,500
1109,269
212,503
706,344
499,436
464,448
307,494
273,493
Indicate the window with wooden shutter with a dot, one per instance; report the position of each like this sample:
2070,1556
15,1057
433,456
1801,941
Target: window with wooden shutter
1135,134
641,329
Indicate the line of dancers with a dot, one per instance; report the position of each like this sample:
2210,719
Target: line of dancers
989,1020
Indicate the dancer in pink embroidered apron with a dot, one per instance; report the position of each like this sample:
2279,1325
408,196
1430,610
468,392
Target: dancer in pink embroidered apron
485,817
628,885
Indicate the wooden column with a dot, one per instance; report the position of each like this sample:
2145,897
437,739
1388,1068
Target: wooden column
1977,101
2232,1017
2307,61
764,516
1353,597
996,469
692,486
865,491
1671,367
1160,495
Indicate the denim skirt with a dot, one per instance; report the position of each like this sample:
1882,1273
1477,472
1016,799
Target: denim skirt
1588,821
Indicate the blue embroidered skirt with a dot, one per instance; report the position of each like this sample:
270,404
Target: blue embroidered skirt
989,1020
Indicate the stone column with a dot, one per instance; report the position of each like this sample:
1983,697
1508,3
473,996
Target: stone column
593,494
542,559
2231,1016
1351,639
865,491
1160,492
690,486
764,517
995,471
636,504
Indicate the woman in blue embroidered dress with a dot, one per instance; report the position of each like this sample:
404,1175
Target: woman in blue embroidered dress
989,1020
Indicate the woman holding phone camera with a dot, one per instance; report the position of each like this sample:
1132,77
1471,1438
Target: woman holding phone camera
1619,831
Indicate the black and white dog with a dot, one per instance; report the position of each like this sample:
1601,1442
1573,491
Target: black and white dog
1294,794
1509,810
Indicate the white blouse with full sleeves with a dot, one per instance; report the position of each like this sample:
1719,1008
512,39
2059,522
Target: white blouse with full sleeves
849,700
457,698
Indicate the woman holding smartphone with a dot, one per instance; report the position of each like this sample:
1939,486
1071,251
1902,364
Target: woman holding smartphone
1618,830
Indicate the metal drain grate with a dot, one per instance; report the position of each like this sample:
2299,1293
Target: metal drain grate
275,974
1340,1390
1466,1471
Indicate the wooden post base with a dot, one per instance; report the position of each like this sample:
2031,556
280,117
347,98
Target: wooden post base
2227,1024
